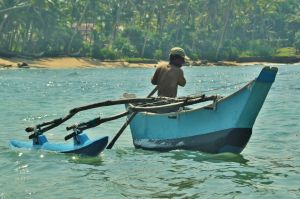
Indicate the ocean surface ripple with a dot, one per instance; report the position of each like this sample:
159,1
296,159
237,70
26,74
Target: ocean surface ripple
269,167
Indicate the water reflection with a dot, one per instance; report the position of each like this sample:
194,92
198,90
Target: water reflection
214,158
95,161
268,168
186,172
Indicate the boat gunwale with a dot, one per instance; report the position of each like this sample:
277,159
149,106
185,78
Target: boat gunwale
220,100
203,107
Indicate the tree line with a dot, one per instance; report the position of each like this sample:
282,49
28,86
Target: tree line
114,29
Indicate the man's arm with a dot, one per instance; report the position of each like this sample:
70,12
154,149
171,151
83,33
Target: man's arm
181,79
154,79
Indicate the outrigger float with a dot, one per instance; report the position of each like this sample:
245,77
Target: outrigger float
163,124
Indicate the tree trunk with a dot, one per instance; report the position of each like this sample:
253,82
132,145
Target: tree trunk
144,46
2,23
146,35
224,29
116,25
75,29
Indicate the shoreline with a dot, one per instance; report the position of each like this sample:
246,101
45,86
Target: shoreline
68,62
83,62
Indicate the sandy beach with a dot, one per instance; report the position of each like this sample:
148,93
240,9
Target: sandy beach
69,62
82,62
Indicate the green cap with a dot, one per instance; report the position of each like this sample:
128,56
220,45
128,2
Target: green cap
178,51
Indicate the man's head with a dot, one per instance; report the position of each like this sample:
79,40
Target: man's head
177,56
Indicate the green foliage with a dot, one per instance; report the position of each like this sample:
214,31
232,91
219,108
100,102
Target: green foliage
210,30
135,36
193,56
285,52
123,46
261,47
157,54
228,53
297,41
108,53
208,51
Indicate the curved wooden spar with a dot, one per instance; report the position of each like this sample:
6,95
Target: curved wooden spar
112,142
171,106
56,122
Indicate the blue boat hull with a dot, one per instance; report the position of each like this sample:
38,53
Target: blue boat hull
225,126
81,145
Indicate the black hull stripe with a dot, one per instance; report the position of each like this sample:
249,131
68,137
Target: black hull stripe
229,140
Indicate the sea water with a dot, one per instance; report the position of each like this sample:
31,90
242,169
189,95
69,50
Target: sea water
269,167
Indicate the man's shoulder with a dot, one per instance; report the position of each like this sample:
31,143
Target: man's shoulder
162,65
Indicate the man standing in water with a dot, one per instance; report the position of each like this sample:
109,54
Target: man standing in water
168,77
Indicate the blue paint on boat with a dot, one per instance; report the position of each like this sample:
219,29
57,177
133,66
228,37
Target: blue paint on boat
224,126
81,145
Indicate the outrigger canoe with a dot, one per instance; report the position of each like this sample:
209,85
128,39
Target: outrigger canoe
163,124
223,126
81,145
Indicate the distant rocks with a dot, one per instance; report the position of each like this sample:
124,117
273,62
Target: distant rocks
6,65
18,65
271,59
218,63
22,65
227,63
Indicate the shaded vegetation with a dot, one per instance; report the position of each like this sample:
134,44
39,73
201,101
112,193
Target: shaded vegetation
114,29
